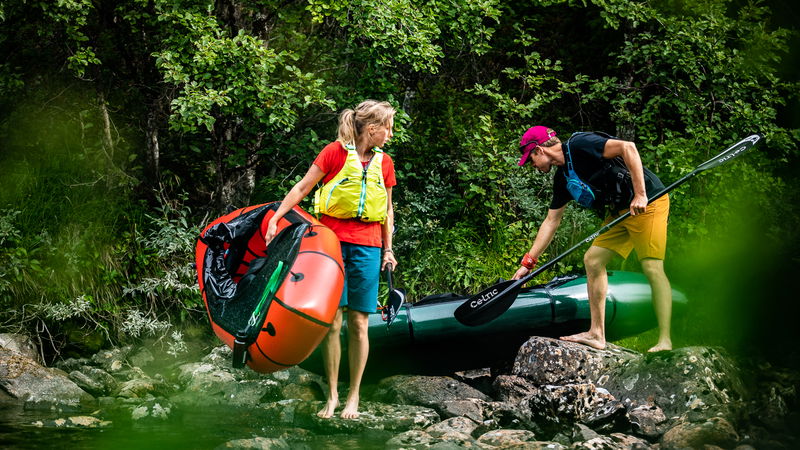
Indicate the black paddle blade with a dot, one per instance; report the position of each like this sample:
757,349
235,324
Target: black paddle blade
397,297
488,304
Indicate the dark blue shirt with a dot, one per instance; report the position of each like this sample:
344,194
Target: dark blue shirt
588,162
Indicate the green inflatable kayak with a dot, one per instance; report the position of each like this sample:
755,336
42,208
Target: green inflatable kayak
425,338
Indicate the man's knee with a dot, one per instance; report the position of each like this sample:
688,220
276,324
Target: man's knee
595,260
653,268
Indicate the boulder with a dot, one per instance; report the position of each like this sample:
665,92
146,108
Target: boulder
25,379
546,361
506,438
207,384
95,381
432,392
373,416
702,381
714,431
21,344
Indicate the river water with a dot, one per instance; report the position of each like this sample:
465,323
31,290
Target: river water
190,428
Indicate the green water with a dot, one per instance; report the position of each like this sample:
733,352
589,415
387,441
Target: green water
188,428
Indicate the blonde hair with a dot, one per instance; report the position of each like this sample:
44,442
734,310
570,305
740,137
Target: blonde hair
552,141
353,121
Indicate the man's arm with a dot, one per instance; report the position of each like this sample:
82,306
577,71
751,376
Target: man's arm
627,150
543,237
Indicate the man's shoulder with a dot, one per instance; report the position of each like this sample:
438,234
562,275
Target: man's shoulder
590,137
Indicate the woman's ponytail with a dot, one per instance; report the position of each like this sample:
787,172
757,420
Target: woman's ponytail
368,112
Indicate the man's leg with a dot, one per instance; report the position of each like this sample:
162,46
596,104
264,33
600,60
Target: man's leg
662,301
358,350
331,354
596,259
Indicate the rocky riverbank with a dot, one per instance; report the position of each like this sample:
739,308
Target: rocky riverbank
556,395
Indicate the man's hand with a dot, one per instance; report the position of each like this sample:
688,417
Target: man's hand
521,272
638,204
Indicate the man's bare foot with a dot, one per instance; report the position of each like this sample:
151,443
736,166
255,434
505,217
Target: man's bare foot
586,338
330,407
661,346
350,410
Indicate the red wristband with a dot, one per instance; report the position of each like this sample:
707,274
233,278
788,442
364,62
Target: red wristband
528,261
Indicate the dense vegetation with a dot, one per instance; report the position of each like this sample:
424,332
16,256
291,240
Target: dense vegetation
125,126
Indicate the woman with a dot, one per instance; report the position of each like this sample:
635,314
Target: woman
362,223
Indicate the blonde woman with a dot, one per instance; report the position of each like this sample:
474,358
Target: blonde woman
360,213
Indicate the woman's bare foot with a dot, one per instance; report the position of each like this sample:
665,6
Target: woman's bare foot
330,407
661,346
350,410
586,338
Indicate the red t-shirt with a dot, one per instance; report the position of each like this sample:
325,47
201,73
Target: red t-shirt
331,160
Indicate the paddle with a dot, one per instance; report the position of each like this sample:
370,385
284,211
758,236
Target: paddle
493,301
396,298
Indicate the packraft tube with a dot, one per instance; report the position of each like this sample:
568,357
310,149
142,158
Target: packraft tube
272,305
426,338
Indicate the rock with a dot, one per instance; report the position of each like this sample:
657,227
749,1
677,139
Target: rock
471,408
94,380
431,392
454,424
648,420
417,439
545,361
506,438
714,431
301,392
73,422
698,380
257,443
113,360
480,379
21,344
72,364
141,358
613,441
609,416
513,389
25,379
207,384
583,433
373,416
142,386
553,406
411,439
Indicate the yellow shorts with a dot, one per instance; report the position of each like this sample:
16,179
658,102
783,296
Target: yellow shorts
646,232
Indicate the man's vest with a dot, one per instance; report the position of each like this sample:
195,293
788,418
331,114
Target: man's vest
356,191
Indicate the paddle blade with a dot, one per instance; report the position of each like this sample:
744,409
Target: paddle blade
488,304
732,152
397,297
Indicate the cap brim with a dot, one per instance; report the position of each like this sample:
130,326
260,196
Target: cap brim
524,157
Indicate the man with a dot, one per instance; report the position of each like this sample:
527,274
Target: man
589,156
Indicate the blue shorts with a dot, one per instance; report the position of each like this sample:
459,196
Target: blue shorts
362,271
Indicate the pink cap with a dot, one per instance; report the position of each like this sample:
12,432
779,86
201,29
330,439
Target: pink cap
537,135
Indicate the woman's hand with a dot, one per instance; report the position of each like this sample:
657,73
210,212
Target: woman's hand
388,258
272,229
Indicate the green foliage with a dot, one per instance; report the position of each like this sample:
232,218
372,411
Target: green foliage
125,127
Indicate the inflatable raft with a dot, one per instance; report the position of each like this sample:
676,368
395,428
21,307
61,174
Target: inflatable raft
425,338
271,304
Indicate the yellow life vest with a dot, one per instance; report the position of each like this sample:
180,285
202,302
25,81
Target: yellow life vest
356,191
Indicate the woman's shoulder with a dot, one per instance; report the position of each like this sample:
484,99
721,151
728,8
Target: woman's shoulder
334,146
